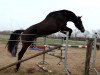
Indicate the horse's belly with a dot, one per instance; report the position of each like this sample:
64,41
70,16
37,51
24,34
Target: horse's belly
47,31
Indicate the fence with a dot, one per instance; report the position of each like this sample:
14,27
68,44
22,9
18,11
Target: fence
88,54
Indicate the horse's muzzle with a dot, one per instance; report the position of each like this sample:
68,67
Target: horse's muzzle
83,30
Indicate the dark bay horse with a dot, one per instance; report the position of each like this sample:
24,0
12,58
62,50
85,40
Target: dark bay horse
54,22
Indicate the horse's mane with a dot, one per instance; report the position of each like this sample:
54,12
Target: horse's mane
62,14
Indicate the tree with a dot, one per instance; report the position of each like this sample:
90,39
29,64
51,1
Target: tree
75,33
96,31
86,34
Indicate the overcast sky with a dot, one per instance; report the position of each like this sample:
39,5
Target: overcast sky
16,14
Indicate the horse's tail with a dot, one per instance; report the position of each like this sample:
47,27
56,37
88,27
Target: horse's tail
13,42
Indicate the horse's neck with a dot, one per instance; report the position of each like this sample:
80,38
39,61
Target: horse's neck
73,19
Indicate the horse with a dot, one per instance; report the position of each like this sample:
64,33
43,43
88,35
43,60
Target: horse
55,21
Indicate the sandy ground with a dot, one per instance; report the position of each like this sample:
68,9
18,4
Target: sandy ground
76,61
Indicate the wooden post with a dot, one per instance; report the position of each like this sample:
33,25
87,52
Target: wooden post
88,56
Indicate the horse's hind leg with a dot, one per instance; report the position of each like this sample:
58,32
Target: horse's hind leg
20,55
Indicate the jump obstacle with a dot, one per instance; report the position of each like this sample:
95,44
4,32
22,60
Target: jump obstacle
43,53
65,55
94,55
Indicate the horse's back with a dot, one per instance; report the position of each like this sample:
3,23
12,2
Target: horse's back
51,24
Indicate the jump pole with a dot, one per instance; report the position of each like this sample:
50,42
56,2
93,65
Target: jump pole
43,61
65,55
94,55
38,54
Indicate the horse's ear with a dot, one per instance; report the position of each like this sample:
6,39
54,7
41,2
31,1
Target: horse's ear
80,17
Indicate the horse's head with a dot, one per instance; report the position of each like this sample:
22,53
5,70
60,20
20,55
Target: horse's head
79,24
70,16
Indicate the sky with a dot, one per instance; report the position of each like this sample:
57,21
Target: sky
16,14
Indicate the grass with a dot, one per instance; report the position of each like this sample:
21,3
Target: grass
4,39
59,41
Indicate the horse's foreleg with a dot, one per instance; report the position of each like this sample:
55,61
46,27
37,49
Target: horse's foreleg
66,29
20,55
70,32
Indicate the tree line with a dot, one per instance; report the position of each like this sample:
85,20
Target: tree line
76,33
